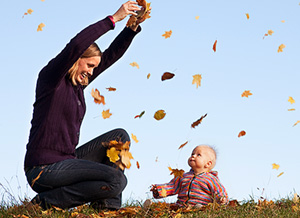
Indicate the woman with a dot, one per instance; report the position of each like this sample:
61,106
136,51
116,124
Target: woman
62,175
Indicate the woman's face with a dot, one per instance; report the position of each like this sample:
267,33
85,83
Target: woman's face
86,67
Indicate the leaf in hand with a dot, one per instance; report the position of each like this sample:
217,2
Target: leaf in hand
106,114
197,80
167,75
113,154
160,114
197,122
98,99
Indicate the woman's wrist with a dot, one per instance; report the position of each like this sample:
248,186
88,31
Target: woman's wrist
112,19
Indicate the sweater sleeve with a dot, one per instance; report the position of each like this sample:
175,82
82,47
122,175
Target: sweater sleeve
59,66
115,51
168,189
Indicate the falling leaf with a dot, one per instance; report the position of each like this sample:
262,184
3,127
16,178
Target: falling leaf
242,133
111,89
134,138
296,123
283,21
167,34
291,100
42,0
140,115
113,154
215,46
138,165
98,99
280,174
106,114
197,80
280,48
160,114
197,17
270,32
275,166
29,11
163,192
176,172
248,16
181,146
126,156
40,27
246,93
134,64
292,109
148,76
167,75
197,122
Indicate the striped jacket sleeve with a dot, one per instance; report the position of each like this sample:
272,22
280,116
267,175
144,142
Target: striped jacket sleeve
170,188
217,189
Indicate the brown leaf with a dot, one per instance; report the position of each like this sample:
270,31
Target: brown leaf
98,99
167,75
160,114
197,122
242,133
111,89
215,46
181,146
138,165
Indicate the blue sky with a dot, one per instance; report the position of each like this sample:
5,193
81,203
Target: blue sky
243,61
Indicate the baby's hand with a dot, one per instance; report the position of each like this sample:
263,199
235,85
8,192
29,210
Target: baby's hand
154,191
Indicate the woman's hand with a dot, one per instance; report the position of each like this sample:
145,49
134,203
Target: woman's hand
127,8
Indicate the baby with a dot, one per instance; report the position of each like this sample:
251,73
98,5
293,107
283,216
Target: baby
200,185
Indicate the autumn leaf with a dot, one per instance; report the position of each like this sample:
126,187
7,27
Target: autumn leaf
197,17
275,166
138,165
292,109
280,48
246,93
167,75
291,100
126,156
140,115
106,114
215,46
160,114
197,80
280,174
134,138
98,99
197,122
242,133
113,154
248,16
40,27
270,32
148,76
167,34
176,172
134,64
29,11
296,123
181,146
283,21
111,89
163,192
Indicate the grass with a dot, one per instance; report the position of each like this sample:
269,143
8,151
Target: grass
262,208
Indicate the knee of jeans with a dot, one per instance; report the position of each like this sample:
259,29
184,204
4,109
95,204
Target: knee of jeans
120,182
124,134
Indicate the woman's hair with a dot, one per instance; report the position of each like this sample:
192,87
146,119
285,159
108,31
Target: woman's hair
92,51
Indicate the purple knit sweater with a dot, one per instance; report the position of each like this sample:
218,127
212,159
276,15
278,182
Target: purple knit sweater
59,107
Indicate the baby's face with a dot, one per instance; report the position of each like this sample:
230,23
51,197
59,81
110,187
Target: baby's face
199,158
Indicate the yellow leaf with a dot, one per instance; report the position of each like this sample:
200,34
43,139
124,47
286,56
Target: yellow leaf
98,99
134,138
291,100
270,32
106,114
275,166
296,123
292,109
134,64
113,154
42,0
176,172
40,27
163,192
248,16
167,34
280,48
197,17
160,114
148,76
197,80
126,156
246,93
280,174
29,11
282,21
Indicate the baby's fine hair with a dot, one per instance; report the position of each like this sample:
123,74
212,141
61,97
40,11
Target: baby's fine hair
214,152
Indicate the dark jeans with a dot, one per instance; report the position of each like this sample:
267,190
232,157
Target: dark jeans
89,178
